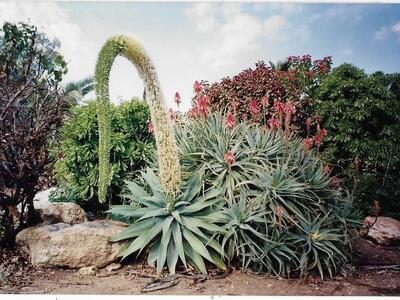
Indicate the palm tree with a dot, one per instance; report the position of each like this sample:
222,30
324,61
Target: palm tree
280,65
74,91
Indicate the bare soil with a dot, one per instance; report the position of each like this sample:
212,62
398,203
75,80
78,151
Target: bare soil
18,276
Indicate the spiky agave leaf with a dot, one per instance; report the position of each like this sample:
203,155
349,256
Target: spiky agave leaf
177,234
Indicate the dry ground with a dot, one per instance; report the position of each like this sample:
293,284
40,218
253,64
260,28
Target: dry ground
131,280
18,276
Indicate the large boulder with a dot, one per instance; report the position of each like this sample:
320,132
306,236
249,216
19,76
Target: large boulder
73,246
385,231
63,212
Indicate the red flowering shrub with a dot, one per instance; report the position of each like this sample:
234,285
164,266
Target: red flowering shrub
268,95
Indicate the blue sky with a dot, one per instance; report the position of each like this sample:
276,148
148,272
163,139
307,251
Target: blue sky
193,41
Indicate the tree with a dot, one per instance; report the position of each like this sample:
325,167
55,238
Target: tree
74,91
361,113
31,70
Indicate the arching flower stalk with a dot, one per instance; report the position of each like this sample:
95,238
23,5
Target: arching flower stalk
167,151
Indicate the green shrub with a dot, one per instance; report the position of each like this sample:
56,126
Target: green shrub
281,213
76,169
361,113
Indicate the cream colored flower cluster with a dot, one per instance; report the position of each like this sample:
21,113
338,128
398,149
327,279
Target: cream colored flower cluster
167,151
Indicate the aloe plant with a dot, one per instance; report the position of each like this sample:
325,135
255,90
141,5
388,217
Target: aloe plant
175,229
275,190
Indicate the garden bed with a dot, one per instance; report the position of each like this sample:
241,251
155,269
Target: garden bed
131,279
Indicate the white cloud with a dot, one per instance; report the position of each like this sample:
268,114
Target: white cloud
396,28
233,33
386,32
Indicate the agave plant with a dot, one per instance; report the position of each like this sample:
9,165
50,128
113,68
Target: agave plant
178,229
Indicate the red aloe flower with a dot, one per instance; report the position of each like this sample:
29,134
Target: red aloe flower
254,109
230,121
177,98
279,107
320,136
274,123
323,132
279,211
197,87
173,114
264,128
150,127
192,113
229,158
289,108
327,169
202,105
335,182
264,101
235,104
308,143
317,140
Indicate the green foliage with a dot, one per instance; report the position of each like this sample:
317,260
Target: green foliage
166,146
280,214
76,168
362,115
174,229
31,70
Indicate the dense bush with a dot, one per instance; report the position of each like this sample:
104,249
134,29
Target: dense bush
362,116
31,70
259,94
76,169
256,197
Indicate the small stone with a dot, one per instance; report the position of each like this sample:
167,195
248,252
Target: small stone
87,271
113,267
69,213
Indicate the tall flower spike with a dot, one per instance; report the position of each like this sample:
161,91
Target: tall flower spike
167,150
177,99
229,159
230,121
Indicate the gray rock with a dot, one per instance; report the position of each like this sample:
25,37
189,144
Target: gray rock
113,267
73,246
385,231
63,212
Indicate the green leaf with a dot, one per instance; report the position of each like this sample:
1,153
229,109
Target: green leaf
134,230
177,235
